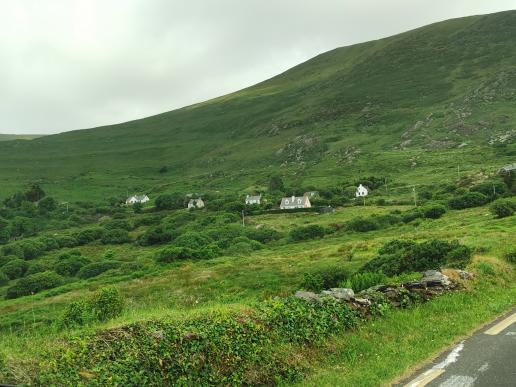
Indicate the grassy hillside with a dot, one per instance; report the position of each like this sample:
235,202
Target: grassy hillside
408,107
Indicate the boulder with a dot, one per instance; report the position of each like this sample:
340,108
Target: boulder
307,296
340,293
464,275
434,277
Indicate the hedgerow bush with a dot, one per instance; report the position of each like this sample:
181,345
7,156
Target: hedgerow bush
397,257
263,234
503,208
34,283
311,231
37,267
86,236
117,224
157,235
193,240
96,268
66,241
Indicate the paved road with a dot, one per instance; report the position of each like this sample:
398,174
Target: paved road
486,359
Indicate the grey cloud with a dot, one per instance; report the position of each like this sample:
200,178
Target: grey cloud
69,64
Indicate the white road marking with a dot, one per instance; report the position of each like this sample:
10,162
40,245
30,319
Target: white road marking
437,370
451,358
510,334
425,378
458,381
496,329
484,367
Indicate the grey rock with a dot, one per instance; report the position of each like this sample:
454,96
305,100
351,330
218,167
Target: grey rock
435,277
362,301
307,296
340,293
464,275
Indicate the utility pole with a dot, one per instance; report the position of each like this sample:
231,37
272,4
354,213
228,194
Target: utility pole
243,218
415,195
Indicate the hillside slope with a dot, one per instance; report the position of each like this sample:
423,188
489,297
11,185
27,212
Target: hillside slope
406,107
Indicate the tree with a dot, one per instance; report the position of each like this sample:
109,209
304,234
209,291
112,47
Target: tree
169,202
47,204
35,193
276,184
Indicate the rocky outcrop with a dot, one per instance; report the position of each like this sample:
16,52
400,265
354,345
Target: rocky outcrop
433,283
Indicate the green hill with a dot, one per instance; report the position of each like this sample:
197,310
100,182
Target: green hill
405,106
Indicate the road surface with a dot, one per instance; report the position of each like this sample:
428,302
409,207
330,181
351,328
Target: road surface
486,359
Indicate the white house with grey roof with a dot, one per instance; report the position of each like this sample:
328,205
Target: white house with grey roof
137,199
253,199
294,202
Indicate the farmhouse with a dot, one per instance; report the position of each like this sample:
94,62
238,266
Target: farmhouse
294,202
253,199
137,199
195,203
511,168
361,191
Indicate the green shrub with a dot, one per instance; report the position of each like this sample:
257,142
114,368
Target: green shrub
325,278
502,208
174,253
307,232
434,211
70,266
86,236
66,241
157,235
107,303
7,258
362,224
96,268
15,268
117,224
363,281
262,234
468,200
486,269
37,267
33,284
193,240
116,236
397,257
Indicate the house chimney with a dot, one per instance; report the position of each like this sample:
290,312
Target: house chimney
293,198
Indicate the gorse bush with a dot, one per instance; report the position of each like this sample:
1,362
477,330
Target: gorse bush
15,268
34,283
70,266
3,278
397,257
174,253
116,236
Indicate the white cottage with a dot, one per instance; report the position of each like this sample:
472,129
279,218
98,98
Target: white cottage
253,199
294,202
361,191
137,199
195,203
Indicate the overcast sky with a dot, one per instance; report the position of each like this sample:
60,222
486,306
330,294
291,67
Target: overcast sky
72,64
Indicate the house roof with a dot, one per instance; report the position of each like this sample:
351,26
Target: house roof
294,200
254,197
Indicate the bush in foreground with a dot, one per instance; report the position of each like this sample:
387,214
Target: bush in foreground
326,278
